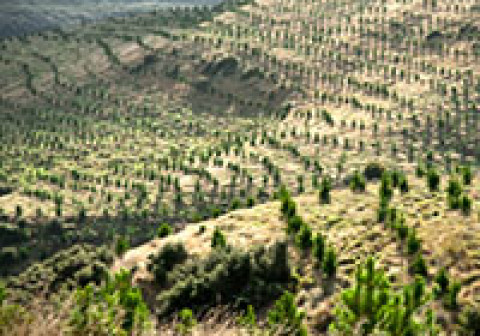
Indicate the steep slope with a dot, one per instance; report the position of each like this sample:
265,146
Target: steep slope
449,239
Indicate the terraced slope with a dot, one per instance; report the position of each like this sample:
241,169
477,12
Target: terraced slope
25,17
350,224
182,115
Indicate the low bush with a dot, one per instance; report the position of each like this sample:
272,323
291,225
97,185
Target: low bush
285,318
227,276
163,262
373,170
164,230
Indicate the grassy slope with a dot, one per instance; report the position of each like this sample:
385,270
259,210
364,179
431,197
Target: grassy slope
449,239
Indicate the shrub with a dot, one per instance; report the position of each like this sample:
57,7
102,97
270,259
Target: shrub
116,308
396,178
370,306
164,230
466,175
402,229
294,224
288,207
236,204
403,184
186,321
18,211
218,239
419,266
121,246
319,246
433,179
163,262
454,190
357,182
304,237
413,243
386,190
470,321
441,282
382,212
363,302
373,170
3,293
11,316
285,318
82,215
452,296
227,276
324,192
420,170
330,263
466,205
248,319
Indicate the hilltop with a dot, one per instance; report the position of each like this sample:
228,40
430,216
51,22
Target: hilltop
26,17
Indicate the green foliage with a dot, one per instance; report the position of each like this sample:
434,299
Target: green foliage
451,300
382,211
288,207
18,211
115,308
466,205
454,190
10,316
164,230
294,224
236,204
442,282
403,184
163,262
419,266
186,321
364,303
371,307
304,237
413,243
470,321
324,191
3,293
226,276
248,319
330,263
420,171
319,246
218,239
467,175
75,266
433,179
285,318
357,182
401,228
386,188
121,245
446,290
373,170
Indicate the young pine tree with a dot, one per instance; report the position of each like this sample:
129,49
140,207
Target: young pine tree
324,192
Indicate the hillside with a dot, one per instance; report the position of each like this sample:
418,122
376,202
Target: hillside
449,239
187,119
22,17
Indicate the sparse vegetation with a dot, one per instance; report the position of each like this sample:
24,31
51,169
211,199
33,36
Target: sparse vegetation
246,156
